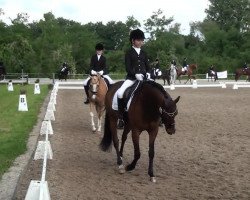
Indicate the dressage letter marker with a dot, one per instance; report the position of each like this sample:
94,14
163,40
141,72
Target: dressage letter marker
22,103
10,87
37,89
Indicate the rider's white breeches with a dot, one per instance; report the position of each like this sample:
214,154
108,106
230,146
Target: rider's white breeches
108,78
86,81
105,76
127,83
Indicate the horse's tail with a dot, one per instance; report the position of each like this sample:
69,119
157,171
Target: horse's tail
107,137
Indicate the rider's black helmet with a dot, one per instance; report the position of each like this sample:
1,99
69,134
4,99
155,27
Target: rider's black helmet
99,47
136,34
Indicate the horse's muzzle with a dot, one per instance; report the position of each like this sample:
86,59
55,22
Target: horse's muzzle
170,131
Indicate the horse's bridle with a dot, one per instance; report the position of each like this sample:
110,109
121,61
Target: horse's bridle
170,114
95,83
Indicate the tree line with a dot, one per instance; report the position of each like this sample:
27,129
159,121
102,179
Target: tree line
222,39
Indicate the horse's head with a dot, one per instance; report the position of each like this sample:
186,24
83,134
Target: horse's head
94,83
168,112
193,66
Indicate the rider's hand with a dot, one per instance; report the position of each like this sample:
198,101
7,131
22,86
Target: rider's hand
148,76
100,72
93,72
139,77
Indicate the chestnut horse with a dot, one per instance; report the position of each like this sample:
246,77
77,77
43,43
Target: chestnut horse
240,72
144,114
189,72
97,92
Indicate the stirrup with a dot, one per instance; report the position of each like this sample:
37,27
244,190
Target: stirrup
120,124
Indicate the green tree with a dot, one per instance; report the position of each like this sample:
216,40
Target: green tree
157,23
230,13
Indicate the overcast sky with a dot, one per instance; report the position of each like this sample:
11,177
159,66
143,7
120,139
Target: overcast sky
84,11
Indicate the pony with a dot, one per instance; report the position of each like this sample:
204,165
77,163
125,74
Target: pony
239,72
144,114
173,74
97,91
63,73
189,72
212,75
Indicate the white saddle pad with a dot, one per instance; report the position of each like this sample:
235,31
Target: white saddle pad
115,103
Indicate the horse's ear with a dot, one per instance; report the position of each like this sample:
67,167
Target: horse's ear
177,99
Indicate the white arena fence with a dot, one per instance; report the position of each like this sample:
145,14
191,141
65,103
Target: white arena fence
39,189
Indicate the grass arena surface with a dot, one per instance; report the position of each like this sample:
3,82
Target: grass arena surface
15,126
207,158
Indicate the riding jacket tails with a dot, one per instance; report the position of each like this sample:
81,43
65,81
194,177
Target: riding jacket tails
136,63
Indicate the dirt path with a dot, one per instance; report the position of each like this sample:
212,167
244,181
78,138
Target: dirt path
207,158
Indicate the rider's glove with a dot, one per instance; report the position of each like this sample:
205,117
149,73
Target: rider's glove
100,72
148,76
93,72
139,77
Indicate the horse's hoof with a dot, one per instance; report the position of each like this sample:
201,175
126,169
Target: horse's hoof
153,179
121,169
129,168
93,130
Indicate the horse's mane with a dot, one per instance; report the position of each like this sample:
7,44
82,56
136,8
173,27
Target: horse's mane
159,87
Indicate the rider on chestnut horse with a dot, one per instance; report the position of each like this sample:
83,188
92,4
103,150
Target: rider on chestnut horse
97,66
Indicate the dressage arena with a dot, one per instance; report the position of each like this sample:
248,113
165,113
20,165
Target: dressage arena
207,158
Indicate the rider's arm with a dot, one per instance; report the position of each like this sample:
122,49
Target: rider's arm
130,70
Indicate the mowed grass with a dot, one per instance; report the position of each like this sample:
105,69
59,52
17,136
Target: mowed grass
15,126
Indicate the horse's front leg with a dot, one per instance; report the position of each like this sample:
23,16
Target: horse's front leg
100,110
151,154
124,138
137,153
91,105
188,79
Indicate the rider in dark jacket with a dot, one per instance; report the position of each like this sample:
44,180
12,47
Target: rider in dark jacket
97,66
137,67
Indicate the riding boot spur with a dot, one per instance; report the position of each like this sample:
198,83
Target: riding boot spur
86,88
121,109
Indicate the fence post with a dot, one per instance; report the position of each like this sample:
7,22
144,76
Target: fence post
53,77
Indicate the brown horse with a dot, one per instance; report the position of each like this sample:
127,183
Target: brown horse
189,72
144,114
97,92
240,72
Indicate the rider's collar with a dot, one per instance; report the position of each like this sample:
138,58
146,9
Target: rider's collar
138,50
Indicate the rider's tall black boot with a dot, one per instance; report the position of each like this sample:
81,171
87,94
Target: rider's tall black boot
121,109
86,88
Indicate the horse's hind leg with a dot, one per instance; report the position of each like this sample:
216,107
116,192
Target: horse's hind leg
137,154
113,128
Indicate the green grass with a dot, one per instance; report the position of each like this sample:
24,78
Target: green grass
15,126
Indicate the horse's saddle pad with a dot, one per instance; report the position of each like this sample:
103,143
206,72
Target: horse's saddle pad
128,96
